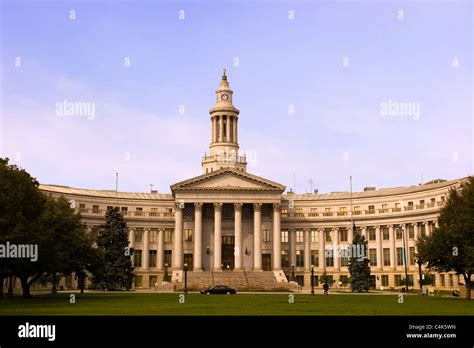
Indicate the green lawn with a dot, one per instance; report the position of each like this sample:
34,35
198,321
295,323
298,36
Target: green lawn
271,304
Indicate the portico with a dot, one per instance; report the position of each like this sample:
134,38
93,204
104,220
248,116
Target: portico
229,203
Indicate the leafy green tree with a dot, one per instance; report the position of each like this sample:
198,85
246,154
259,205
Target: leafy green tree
117,271
324,278
359,264
21,205
451,246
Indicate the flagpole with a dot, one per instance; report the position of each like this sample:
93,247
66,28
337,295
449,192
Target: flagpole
116,188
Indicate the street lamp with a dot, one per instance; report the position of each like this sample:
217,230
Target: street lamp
185,278
312,279
165,278
405,259
293,272
419,261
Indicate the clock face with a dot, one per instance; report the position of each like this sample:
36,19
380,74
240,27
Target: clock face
224,97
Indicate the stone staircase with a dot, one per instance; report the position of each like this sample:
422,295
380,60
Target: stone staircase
237,280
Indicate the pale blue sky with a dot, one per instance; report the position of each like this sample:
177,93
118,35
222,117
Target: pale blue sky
336,129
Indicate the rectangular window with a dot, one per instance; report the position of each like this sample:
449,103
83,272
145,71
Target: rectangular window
384,280
412,255
124,210
153,236
329,258
95,209
152,258
343,235
285,259
410,206
357,210
137,258
327,212
451,281
443,280
153,281
168,237
327,233
386,257
371,209
373,257
342,211
299,258
399,256
344,259
371,233
138,211
138,235
385,233
266,235
138,281
299,237
109,207
82,208
188,235
299,212
284,212
384,208
411,232
154,212
397,207
284,236
398,232
422,229
398,280
315,258
313,212
167,258
314,236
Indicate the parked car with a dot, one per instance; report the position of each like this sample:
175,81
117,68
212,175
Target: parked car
218,289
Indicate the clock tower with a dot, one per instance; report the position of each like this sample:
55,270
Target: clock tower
224,147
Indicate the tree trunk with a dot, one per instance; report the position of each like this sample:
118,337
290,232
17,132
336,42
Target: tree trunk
467,280
10,286
25,287
54,290
2,279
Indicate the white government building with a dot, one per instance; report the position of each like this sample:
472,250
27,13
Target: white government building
229,226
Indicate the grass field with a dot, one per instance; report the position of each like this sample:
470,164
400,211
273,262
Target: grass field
244,304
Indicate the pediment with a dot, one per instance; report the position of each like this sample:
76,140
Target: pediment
227,179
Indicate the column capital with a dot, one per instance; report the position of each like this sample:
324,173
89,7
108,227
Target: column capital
132,229
363,227
377,227
237,206
426,222
178,205
217,206
390,226
276,207
198,206
336,229
257,206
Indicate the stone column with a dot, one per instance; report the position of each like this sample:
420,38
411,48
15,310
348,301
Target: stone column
436,224
212,129
378,237
335,241
178,239
160,251
276,237
405,244
393,250
227,132
322,251
131,237
146,248
350,235
238,237
234,123
221,128
197,261
427,228
257,236
217,236
364,232
291,236
307,251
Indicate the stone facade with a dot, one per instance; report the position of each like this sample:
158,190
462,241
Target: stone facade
230,220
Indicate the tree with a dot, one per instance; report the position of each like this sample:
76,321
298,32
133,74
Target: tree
324,278
117,271
21,205
359,267
451,246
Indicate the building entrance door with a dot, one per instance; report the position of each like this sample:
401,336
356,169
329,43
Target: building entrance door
227,253
267,262
188,259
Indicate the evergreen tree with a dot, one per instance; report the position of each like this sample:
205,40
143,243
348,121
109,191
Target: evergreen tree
359,267
117,270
